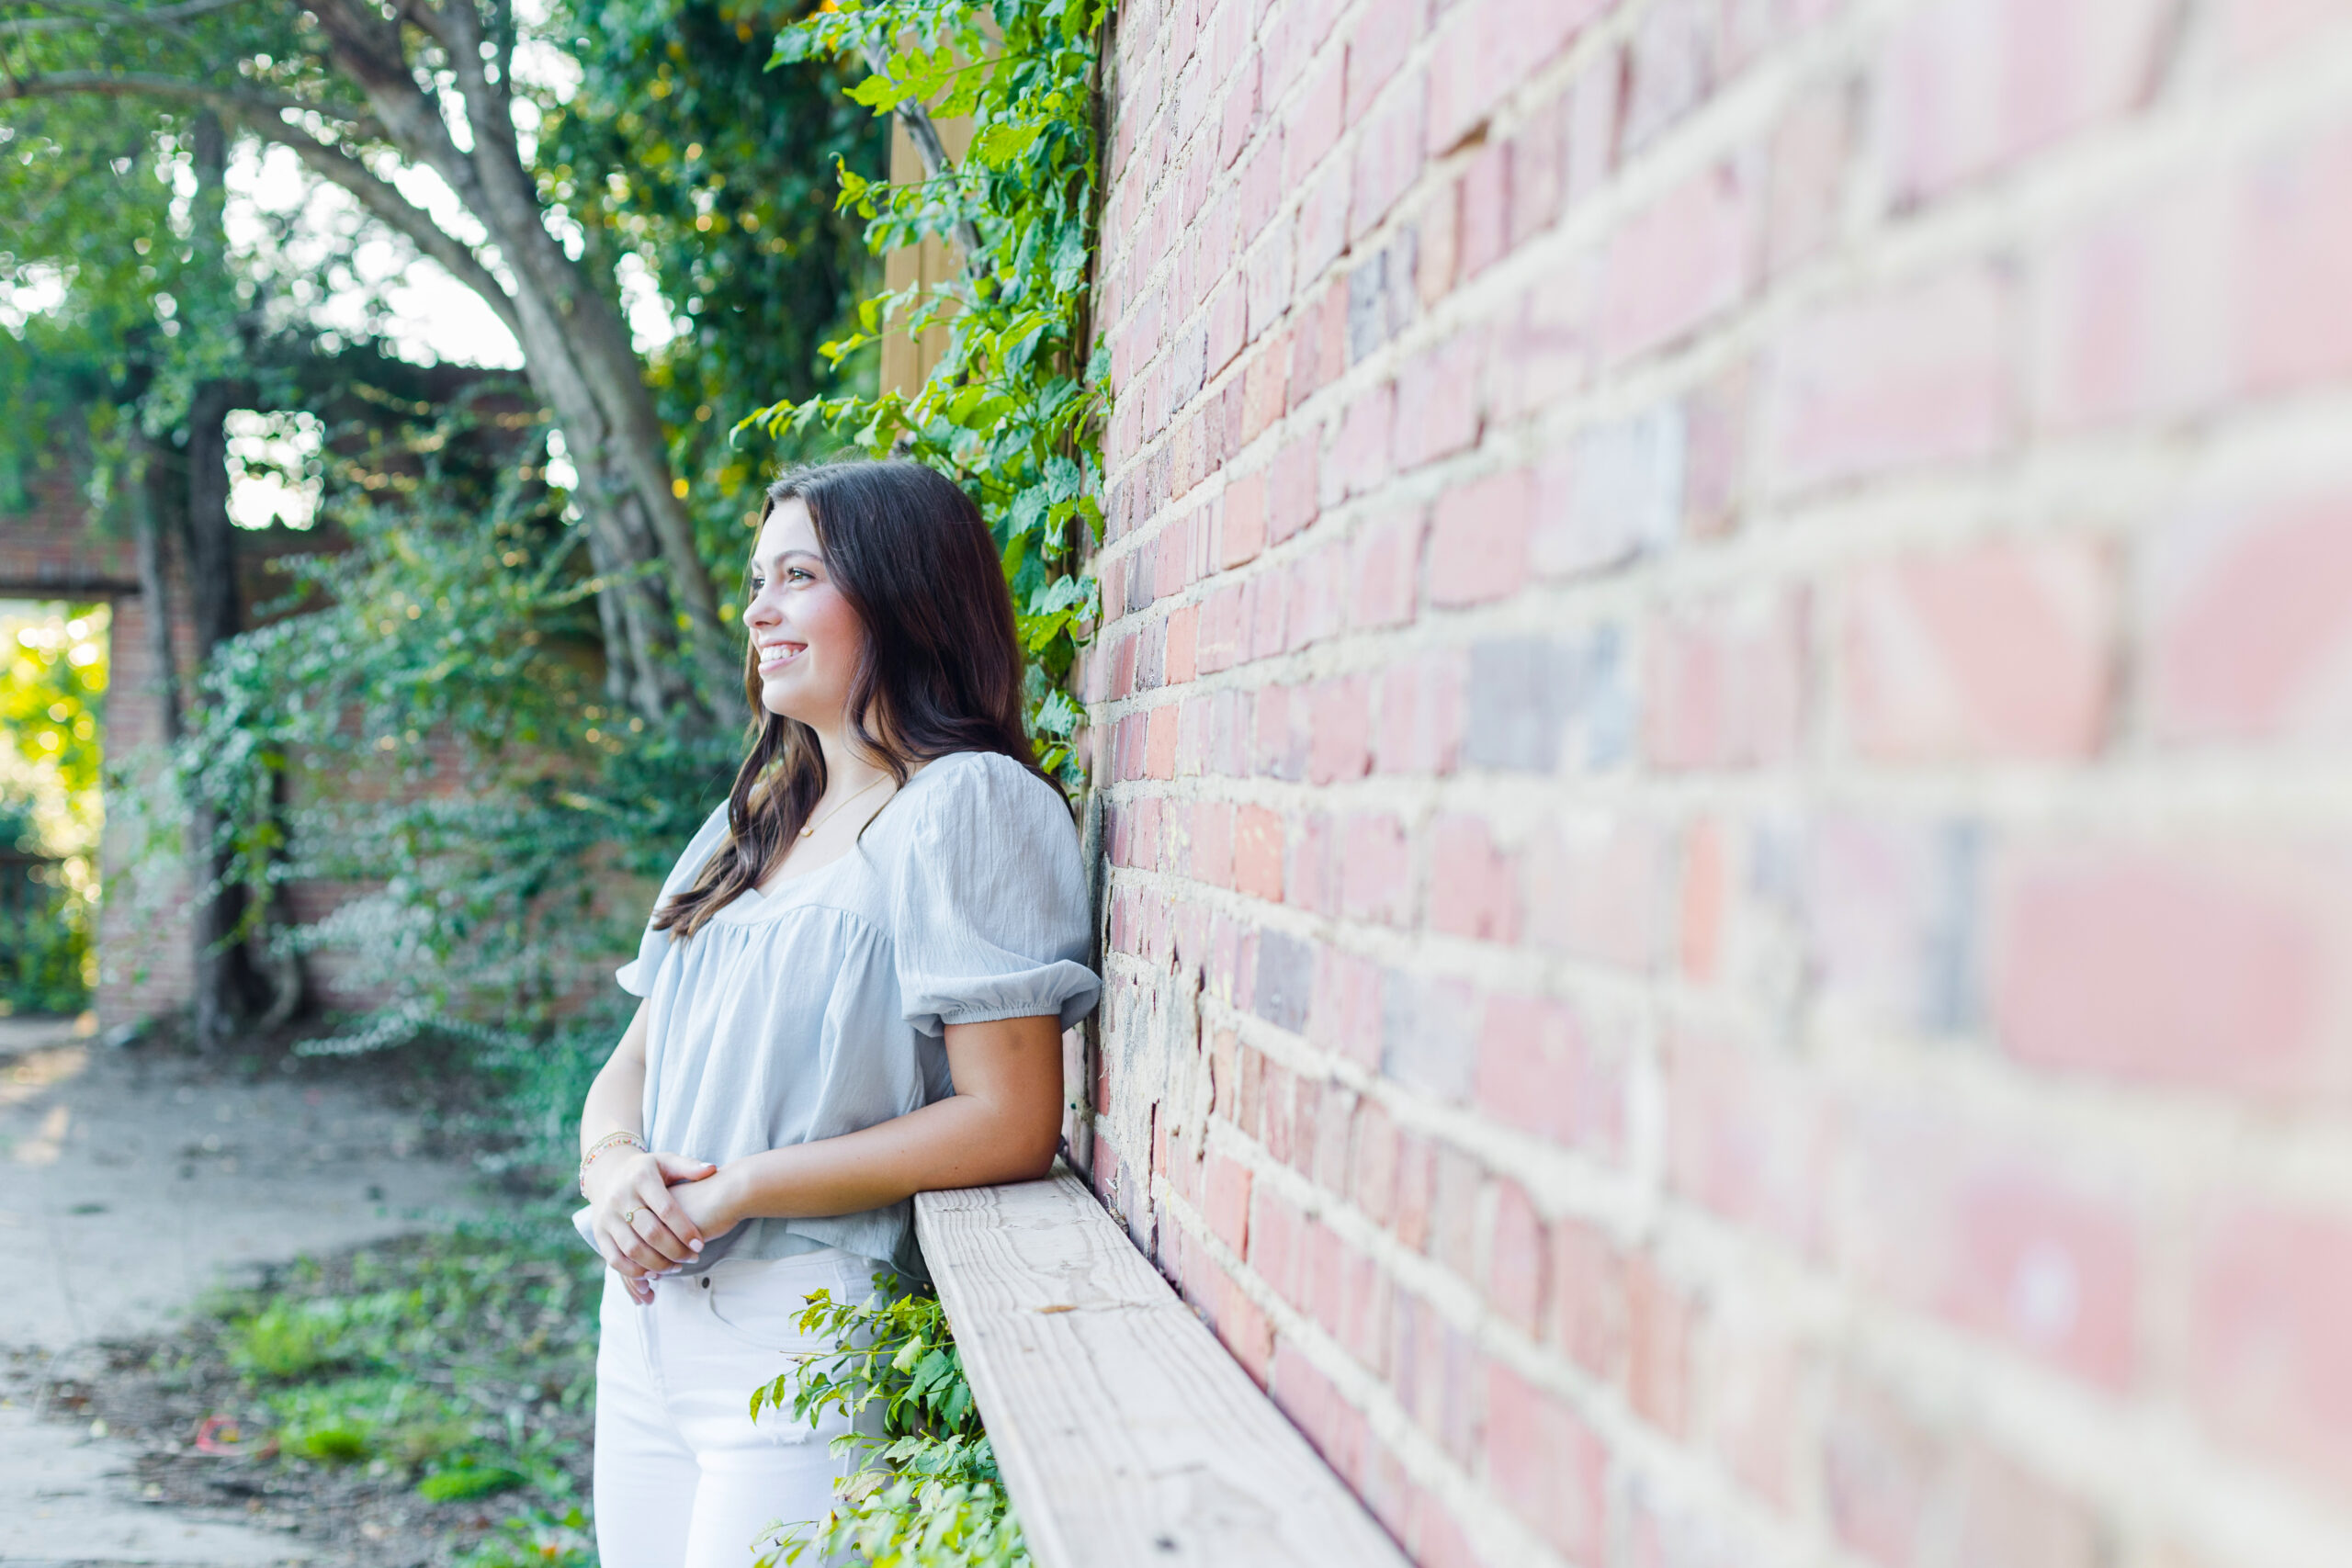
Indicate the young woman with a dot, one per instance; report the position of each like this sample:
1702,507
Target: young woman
854,983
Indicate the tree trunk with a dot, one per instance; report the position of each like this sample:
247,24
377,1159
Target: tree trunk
222,978
156,503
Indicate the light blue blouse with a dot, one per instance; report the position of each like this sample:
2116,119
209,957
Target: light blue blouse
819,1007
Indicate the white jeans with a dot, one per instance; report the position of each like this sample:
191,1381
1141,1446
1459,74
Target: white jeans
684,1478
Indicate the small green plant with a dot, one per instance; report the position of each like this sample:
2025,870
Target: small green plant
460,1363
925,1494
467,1480
535,1539
384,1417
292,1338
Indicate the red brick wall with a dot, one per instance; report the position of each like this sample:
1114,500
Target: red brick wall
1723,731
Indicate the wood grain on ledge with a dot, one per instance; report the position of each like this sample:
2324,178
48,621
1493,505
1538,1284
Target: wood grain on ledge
1126,1434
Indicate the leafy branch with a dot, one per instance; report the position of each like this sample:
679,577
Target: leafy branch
1013,411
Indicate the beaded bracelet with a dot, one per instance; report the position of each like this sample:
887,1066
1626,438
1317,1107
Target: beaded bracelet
599,1146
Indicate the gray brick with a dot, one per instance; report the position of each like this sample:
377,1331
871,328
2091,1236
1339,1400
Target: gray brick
1285,980
1522,692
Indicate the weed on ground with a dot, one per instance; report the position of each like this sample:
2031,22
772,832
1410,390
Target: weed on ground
426,1403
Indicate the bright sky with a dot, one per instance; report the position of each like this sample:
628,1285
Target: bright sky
433,316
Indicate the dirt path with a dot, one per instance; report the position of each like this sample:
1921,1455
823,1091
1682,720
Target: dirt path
130,1183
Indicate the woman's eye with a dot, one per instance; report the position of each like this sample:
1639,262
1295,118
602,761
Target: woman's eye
797,573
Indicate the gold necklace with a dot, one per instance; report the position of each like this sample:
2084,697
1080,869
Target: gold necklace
812,827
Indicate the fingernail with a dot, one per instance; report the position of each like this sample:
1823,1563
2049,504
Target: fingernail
696,1245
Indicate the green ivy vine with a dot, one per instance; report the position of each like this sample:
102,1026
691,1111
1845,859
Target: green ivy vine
1013,411
926,1493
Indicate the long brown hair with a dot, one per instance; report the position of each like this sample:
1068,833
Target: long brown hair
940,672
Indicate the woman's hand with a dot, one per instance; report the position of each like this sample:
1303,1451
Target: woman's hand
714,1206
635,1216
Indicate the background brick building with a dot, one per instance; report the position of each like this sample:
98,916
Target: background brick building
1724,727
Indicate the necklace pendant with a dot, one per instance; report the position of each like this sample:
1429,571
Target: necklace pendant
806,832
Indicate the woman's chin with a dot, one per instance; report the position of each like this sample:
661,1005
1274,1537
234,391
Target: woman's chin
787,697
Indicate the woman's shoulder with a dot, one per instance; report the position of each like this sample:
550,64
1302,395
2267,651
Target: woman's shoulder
961,782
982,807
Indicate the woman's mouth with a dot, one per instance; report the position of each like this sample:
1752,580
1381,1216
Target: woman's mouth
776,655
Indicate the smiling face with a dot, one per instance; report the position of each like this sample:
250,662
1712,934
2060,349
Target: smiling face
807,636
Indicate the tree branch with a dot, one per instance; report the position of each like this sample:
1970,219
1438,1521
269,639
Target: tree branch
178,89
385,202
98,13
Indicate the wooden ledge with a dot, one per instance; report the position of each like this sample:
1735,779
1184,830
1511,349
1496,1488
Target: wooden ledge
1126,1434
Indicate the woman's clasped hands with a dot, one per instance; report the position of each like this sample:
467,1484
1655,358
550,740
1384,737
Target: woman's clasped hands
650,1212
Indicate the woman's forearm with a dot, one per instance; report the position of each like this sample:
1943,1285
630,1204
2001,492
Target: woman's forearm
615,1101
956,1142
1002,1123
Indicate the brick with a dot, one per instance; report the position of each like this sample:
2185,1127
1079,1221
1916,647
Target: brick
1291,499
1384,572
1688,257
1617,494
2131,315
1420,713
1323,225
1980,1228
1999,651
1310,874
1660,1316
1385,34
1472,891
1382,298
1285,980
1358,460
1595,888
2250,633
1669,69
1376,870
1317,586
1901,1492
1258,852
1894,915
1277,1232
1387,158
1341,721
1438,407
1810,149
1426,1042
1335,1428
1547,1465
1160,743
1226,1200
2268,1363
1541,1070
1517,1267
1973,86
1521,693
1747,1136
1726,687
1479,539
1911,377
2210,966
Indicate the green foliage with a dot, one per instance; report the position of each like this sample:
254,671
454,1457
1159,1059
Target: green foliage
52,700
427,1357
1009,411
424,720
536,1539
468,1479
680,148
926,1493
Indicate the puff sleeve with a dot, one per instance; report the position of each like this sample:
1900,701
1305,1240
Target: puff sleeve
989,903
636,976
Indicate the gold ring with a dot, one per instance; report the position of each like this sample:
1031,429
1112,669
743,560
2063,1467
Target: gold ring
628,1216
